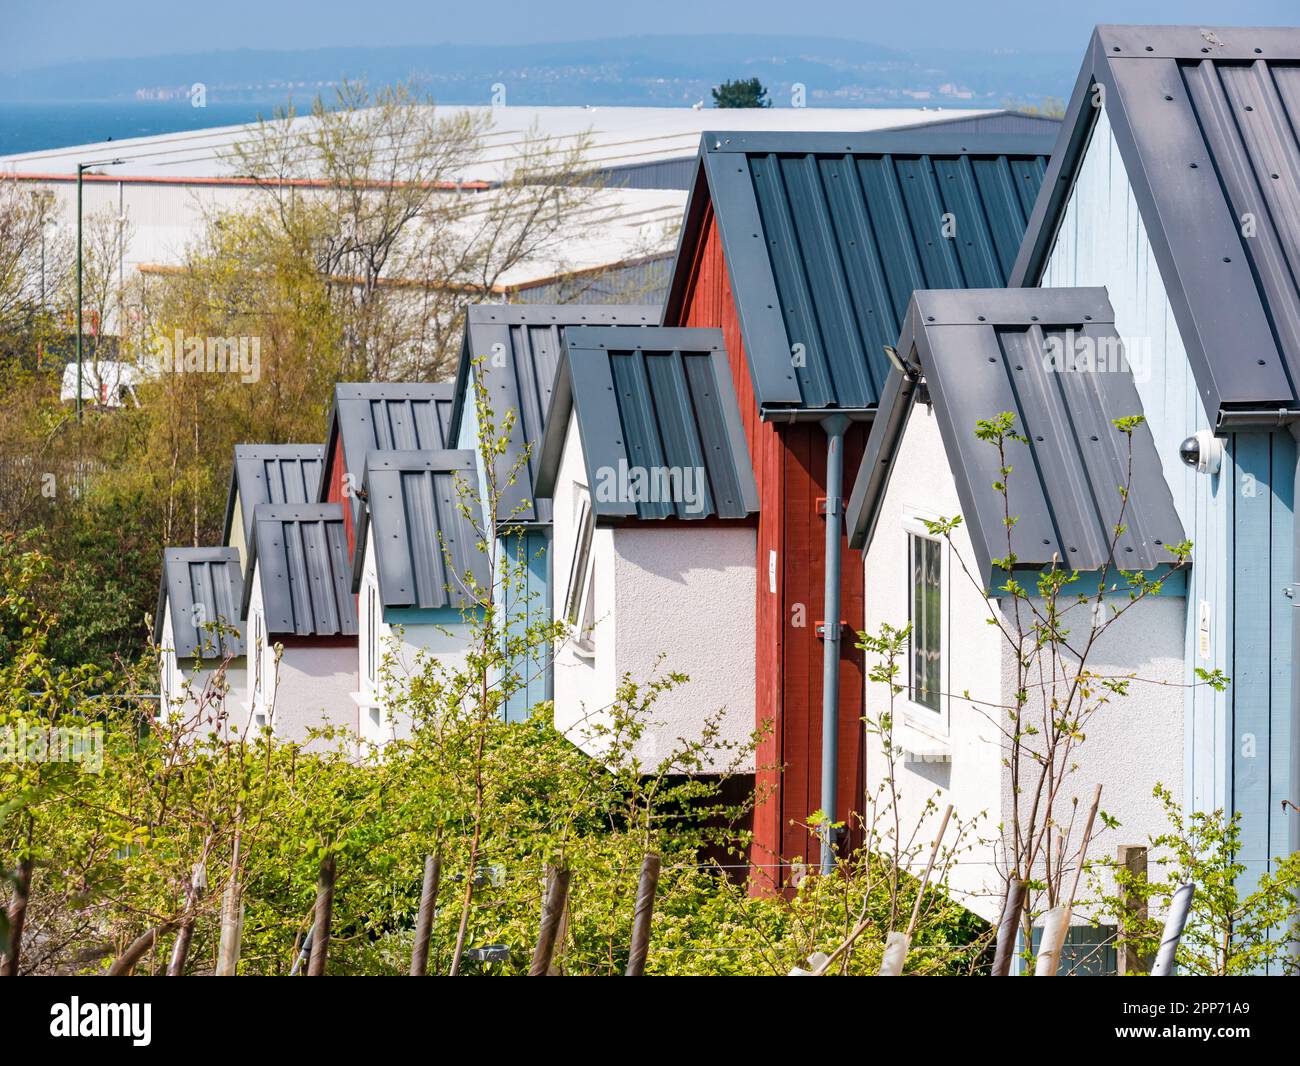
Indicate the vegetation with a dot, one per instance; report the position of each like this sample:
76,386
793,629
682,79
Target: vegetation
1240,916
186,827
743,92
351,260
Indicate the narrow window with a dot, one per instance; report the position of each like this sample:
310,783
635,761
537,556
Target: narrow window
372,633
580,600
257,654
925,614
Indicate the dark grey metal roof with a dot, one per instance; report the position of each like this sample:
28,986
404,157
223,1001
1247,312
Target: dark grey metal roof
379,415
209,579
271,473
425,543
658,400
983,352
826,235
519,346
299,554
1207,122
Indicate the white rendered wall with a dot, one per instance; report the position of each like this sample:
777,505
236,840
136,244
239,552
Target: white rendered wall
584,684
672,591
312,686
1130,745
687,595
404,651
188,684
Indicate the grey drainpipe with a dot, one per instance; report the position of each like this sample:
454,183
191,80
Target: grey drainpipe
834,425
1293,825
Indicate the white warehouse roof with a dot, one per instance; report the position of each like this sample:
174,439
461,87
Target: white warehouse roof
619,137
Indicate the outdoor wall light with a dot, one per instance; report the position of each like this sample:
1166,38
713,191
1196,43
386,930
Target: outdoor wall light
1202,451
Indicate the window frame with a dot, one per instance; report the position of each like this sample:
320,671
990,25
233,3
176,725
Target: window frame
579,597
372,636
928,719
258,651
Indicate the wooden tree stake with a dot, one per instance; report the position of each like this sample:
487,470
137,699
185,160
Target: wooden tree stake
644,913
425,915
557,896
320,941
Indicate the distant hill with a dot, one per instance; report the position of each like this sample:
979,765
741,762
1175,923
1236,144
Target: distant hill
647,71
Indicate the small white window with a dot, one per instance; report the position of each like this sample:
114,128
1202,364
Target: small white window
372,633
925,613
580,602
257,654
169,679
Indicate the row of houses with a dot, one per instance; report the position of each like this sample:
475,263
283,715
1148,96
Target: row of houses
742,479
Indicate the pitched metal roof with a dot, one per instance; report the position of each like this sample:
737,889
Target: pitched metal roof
826,235
299,555
1207,122
378,415
519,348
1053,358
210,580
271,473
659,401
425,543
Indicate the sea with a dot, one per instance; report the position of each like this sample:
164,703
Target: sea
31,127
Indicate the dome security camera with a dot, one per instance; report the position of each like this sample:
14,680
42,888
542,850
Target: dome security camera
1202,451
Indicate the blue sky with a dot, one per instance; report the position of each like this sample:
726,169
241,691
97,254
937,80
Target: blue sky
42,33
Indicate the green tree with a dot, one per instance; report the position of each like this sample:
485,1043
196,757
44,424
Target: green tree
743,92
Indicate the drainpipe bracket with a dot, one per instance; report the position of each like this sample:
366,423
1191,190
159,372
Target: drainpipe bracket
820,628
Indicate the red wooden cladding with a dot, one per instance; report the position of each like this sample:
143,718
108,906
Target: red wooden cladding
790,468
335,471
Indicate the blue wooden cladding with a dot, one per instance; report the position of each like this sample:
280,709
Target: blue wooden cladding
1167,195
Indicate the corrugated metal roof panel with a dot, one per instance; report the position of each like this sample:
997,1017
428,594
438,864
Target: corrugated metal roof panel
519,347
299,554
205,588
660,424
1053,358
271,473
826,236
1208,124
426,547
381,416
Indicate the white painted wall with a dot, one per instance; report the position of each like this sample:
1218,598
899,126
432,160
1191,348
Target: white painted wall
585,683
181,685
686,594
403,651
1130,746
1103,241
311,687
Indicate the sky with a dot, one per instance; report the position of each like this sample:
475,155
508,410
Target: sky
44,32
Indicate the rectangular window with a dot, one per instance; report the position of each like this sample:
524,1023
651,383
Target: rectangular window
372,633
925,612
579,603
257,654
169,658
